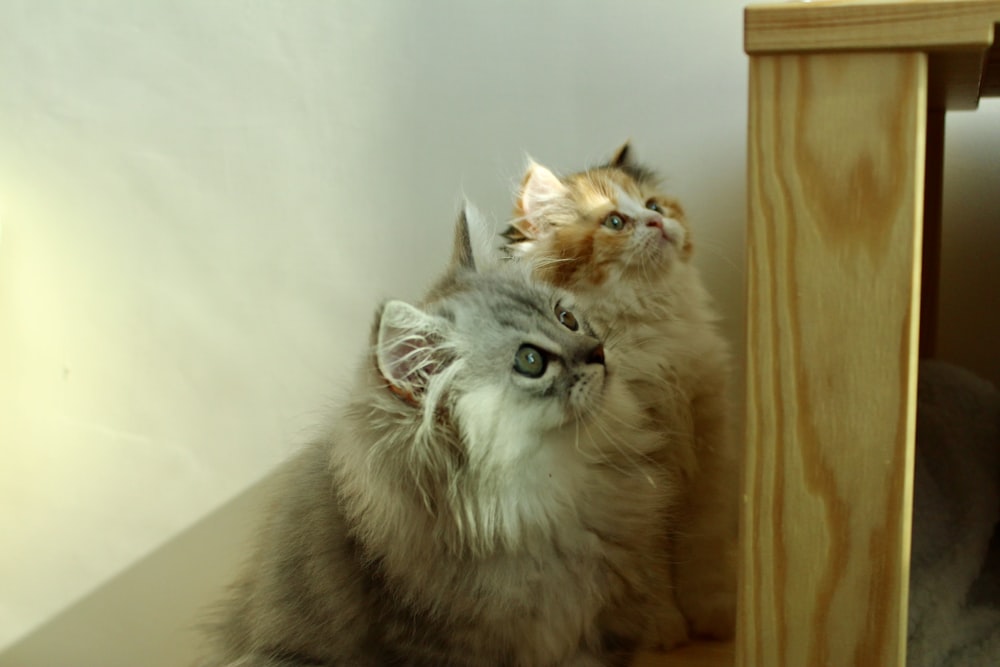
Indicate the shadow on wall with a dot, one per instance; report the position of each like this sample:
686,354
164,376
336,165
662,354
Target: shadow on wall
969,316
149,614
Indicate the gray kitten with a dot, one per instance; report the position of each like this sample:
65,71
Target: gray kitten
482,499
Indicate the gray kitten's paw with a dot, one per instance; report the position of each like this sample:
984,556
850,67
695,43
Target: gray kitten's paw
713,616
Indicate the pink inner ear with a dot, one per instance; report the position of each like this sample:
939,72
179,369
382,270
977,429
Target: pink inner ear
540,188
408,349
406,363
402,379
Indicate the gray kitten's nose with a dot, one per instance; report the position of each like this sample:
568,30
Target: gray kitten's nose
596,356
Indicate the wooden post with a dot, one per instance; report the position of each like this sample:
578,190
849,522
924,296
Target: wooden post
836,177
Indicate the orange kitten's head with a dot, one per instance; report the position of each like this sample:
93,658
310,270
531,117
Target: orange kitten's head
599,225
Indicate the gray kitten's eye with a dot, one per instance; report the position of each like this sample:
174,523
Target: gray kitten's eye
530,361
653,206
567,319
615,221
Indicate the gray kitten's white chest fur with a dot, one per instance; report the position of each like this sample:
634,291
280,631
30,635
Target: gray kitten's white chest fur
486,497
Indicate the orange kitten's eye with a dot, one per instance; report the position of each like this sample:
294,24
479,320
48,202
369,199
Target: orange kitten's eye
615,221
653,206
567,319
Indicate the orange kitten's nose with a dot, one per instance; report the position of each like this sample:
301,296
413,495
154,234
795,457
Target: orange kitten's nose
596,355
668,235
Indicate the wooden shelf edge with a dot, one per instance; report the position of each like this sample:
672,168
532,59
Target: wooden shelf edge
930,25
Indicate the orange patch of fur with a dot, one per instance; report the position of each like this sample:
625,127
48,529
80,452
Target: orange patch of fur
580,249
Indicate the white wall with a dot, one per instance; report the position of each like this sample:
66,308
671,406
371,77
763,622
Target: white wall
203,201
151,613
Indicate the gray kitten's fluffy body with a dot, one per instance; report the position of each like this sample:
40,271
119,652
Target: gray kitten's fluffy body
460,511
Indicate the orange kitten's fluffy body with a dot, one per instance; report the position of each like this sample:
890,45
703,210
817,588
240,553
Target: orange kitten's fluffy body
613,238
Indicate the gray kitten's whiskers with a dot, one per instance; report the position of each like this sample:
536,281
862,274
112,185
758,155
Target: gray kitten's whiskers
484,498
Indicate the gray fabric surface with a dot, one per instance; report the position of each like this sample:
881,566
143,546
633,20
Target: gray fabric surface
954,612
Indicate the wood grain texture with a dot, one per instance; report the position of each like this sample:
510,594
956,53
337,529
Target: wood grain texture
835,169
926,25
956,33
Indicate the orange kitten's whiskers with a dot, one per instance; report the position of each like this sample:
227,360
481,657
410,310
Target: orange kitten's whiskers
717,250
544,261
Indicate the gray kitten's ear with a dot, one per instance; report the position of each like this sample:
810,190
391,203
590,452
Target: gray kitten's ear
474,249
539,188
461,252
409,349
622,156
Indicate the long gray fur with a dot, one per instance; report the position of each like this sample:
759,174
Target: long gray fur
476,517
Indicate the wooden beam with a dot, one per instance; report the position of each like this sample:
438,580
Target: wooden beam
929,25
958,35
835,169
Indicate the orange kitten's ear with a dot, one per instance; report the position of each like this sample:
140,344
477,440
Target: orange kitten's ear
409,349
624,160
539,188
621,156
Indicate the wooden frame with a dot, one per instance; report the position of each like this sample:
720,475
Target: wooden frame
846,104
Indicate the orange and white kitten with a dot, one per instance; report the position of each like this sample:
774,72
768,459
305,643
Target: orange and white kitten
611,237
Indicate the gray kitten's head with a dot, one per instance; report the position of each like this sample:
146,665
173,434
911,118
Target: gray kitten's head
489,404
498,358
